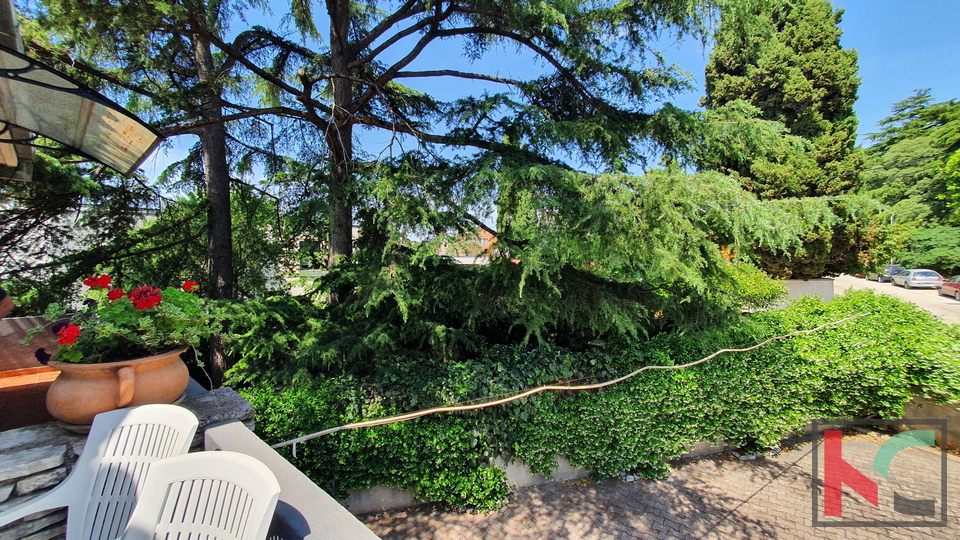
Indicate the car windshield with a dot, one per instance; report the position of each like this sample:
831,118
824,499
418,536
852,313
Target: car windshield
892,269
926,274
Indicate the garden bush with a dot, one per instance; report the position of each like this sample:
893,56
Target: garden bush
868,366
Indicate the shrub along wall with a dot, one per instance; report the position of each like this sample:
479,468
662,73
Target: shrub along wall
868,366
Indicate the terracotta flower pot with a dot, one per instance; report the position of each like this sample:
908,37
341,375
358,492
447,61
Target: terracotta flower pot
82,391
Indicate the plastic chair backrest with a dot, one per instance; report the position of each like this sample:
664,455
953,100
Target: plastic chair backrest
210,495
103,487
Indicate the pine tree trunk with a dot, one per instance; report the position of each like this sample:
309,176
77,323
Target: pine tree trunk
341,222
213,140
339,139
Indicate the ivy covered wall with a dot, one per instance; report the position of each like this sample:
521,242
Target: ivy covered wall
865,367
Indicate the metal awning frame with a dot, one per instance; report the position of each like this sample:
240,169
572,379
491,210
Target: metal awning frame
81,90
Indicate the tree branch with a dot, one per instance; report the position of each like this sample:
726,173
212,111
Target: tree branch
476,221
422,135
307,99
420,25
391,72
543,53
249,37
231,50
83,67
453,73
411,8
192,127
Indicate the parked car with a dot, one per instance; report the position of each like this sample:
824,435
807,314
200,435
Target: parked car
950,287
885,273
917,277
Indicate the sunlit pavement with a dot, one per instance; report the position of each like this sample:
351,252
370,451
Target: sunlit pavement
716,497
945,308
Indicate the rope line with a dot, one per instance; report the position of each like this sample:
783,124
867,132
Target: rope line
527,393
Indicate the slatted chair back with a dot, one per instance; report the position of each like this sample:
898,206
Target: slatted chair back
102,489
206,495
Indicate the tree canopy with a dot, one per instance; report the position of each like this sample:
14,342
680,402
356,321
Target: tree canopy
907,160
788,63
911,168
781,65
593,76
584,250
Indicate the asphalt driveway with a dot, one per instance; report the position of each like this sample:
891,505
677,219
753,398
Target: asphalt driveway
946,308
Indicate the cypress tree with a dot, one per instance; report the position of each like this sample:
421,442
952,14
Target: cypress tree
788,62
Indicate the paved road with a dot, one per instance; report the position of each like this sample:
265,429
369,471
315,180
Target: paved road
712,498
944,307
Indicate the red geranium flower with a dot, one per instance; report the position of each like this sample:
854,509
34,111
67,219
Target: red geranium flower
68,334
95,282
116,293
191,286
145,297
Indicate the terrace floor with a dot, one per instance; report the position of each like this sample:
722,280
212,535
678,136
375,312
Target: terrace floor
715,497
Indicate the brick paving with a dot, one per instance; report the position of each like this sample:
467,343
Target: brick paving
715,497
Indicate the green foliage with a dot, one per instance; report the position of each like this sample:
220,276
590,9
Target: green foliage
273,338
907,165
604,253
787,61
780,63
890,240
911,167
505,146
838,235
952,173
581,257
937,248
114,324
866,366
735,132
56,228
437,458
140,245
172,247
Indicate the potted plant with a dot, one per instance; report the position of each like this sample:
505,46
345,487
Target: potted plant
122,348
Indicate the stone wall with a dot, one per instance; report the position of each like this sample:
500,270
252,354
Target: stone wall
920,408
32,461
384,498
798,288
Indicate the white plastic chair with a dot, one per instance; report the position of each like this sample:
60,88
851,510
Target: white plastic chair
102,489
210,495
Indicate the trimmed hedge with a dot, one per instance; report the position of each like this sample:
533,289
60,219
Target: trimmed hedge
865,367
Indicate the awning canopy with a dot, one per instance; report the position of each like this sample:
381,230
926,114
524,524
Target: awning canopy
37,99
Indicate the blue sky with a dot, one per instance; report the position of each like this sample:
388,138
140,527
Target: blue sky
902,46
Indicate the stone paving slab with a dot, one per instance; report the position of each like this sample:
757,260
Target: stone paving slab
716,497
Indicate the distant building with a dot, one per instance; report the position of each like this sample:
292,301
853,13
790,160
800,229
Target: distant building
470,251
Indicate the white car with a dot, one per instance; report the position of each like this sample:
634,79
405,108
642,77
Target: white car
917,277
